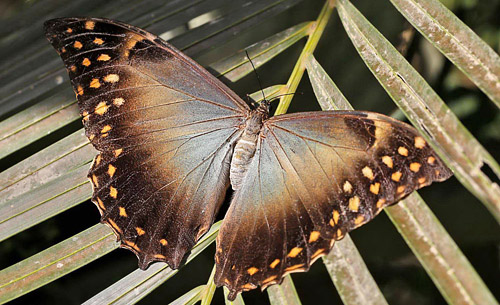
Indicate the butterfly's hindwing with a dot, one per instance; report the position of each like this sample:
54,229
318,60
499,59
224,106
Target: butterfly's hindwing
164,128
315,177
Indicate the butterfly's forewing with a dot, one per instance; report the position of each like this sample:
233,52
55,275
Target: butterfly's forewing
315,177
164,128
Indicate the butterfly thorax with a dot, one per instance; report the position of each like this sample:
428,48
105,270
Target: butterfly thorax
246,145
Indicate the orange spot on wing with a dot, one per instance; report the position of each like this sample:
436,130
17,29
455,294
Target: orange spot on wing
113,192
248,286
401,189
403,151
123,213
140,231
396,176
79,90
101,108
111,170
69,30
422,180
101,204
380,202
387,161
359,220
72,68
431,160
98,160
98,41
252,270
77,45
347,187
159,256
89,25
118,152
294,252
86,62
314,236
368,172
105,129
103,57
95,180
354,203
375,188
274,263
270,279
94,83
415,166
163,242
419,142
336,216
114,225
132,245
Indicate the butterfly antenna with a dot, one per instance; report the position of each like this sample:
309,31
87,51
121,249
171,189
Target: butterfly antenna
258,78
278,96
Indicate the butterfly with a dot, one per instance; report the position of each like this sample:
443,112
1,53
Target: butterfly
172,139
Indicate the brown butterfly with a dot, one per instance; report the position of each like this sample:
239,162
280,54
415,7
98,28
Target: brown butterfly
172,138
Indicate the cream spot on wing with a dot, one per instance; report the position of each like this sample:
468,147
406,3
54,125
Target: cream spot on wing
318,252
314,236
94,83
368,172
274,263
354,203
111,170
403,151
118,101
103,57
89,25
419,142
86,116
111,78
98,159
101,108
375,188
86,62
396,176
415,167
113,192
339,234
252,270
294,252
105,129
122,211
387,161
347,187
294,267
140,231
336,216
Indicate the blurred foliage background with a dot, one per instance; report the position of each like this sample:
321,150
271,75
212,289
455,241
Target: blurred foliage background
392,264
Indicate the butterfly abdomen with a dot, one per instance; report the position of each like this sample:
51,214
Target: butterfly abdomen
245,147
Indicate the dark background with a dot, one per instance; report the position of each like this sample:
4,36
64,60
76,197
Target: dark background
392,264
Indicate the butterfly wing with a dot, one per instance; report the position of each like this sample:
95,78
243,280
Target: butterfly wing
315,177
164,127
